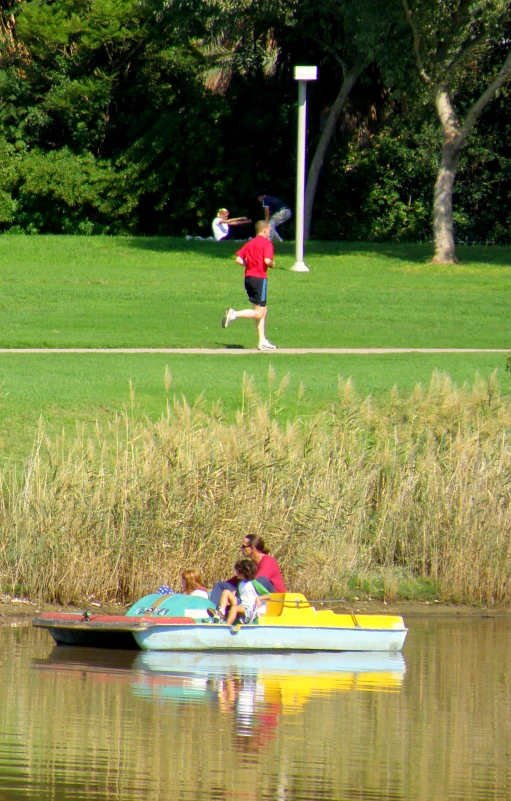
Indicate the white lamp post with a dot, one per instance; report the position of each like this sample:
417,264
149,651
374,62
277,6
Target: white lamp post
302,75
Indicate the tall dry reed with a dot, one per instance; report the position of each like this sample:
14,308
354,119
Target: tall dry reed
416,485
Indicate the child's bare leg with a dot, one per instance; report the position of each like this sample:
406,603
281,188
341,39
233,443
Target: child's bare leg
227,598
234,611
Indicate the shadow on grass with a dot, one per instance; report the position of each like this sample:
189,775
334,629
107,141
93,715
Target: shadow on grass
224,250
419,253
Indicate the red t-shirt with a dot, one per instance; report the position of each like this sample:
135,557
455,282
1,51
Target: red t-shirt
268,568
254,253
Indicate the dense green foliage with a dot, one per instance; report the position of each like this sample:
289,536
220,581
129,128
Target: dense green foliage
142,117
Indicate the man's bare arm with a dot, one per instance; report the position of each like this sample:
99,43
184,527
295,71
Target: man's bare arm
238,221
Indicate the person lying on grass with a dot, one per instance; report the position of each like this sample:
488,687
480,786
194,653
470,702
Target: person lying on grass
246,603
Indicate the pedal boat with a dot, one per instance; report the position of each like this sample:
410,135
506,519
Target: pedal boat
181,623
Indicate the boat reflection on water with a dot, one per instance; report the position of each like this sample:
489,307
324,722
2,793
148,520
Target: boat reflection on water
255,690
293,678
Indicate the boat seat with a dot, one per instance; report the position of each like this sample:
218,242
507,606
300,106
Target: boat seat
278,602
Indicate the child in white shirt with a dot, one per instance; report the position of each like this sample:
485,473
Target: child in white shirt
246,603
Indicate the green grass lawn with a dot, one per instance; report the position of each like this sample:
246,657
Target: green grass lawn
69,388
135,292
138,292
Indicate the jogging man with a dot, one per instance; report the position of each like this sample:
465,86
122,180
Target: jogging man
256,256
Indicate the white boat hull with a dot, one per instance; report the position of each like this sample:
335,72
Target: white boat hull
220,637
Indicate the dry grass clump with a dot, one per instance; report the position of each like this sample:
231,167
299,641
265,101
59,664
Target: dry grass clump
416,485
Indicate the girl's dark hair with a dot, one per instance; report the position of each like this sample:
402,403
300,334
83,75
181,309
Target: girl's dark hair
246,568
257,542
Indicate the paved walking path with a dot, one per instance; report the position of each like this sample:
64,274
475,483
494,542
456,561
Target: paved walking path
245,351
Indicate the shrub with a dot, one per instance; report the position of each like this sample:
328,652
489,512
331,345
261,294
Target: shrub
412,491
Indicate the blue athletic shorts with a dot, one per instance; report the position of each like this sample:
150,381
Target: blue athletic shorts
256,289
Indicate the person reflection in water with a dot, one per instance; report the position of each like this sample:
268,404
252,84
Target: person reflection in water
256,718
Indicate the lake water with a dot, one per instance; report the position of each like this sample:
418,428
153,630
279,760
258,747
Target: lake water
431,724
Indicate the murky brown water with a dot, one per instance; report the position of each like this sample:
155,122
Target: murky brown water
434,724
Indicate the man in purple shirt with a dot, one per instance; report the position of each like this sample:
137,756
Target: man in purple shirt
275,212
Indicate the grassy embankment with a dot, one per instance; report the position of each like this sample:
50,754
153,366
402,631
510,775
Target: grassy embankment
402,493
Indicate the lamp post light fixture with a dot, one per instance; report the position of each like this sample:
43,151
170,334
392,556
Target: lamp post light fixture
302,75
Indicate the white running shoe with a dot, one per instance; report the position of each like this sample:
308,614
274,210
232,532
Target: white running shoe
267,345
229,317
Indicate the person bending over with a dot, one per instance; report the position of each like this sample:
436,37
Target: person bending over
275,212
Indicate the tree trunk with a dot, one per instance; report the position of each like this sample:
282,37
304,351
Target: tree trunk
455,136
445,250
348,83
7,44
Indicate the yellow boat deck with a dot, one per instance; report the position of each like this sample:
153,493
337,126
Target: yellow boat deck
293,609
